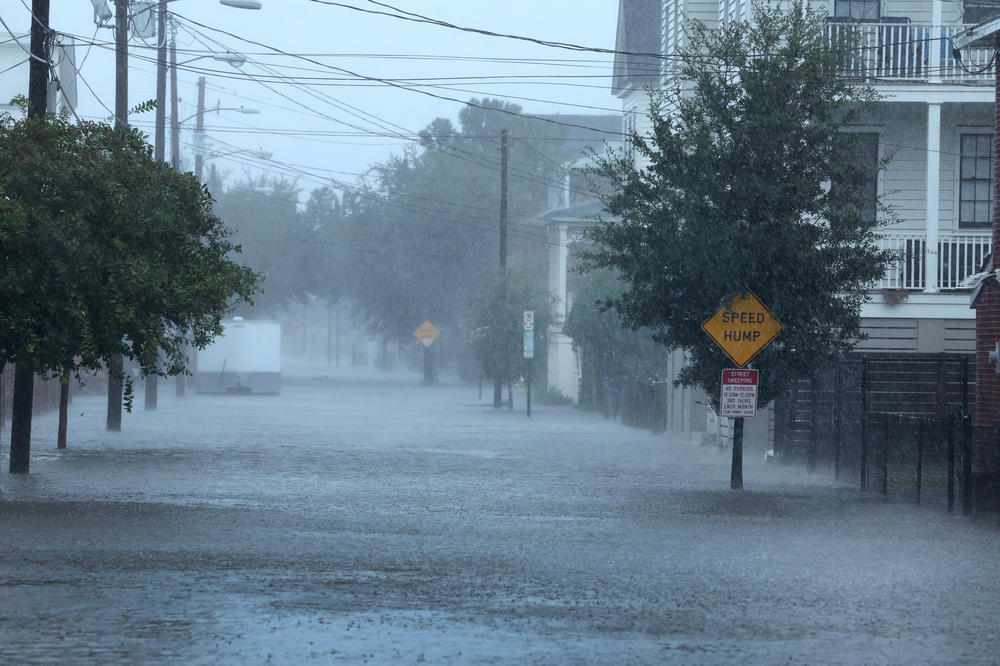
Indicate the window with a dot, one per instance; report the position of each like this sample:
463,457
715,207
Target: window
975,195
857,189
979,11
630,128
858,10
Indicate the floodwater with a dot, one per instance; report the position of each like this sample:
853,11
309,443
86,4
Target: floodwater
365,518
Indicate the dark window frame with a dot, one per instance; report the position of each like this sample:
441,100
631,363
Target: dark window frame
866,193
858,10
975,180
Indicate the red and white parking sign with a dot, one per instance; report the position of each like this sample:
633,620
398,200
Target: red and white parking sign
739,393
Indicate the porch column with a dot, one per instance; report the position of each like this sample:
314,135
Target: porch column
558,255
937,30
933,195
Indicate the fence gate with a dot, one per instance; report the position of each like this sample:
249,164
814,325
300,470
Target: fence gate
864,406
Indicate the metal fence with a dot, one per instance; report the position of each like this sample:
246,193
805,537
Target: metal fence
922,460
897,424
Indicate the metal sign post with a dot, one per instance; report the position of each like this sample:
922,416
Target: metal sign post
529,350
741,328
427,333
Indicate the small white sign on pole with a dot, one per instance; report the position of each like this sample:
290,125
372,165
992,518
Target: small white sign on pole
529,344
739,393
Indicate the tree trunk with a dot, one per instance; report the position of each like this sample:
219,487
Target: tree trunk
20,421
150,396
63,408
115,369
3,392
497,394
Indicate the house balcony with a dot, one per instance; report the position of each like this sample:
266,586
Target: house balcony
897,51
959,255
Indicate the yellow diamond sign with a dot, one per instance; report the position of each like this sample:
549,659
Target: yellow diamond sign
742,328
427,333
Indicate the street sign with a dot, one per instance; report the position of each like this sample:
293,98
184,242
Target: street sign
739,393
742,328
427,333
529,344
529,320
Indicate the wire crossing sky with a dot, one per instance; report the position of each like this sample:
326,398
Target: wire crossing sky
338,89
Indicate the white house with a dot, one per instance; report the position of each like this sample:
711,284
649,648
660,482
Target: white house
935,125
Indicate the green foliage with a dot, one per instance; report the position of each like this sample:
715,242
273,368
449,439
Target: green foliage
550,395
496,321
103,250
143,107
612,353
735,198
426,228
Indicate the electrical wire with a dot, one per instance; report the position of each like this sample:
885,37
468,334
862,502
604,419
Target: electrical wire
474,159
390,83
420,18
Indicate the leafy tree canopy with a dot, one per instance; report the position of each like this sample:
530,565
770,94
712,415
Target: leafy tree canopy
104,250
732,193
496,320
426,229
612,352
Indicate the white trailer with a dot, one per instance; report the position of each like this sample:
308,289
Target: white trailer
246,358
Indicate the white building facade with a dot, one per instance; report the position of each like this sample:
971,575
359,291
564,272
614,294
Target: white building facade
935,126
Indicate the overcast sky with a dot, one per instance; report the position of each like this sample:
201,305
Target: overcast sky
307,123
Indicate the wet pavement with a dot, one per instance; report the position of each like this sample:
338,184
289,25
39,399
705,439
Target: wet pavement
365,518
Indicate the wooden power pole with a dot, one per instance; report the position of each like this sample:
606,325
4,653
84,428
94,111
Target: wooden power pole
24,370
497,384
116,369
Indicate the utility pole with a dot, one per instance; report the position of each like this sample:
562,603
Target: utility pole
24,369
175,127
38,70
497,384
159,145
116,369
175,157
161,82
199,130
503,198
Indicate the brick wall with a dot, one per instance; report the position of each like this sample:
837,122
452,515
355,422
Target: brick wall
986,438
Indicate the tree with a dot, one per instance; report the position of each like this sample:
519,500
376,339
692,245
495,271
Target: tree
612,353
274,238
425,231
104,251
736,197
496,319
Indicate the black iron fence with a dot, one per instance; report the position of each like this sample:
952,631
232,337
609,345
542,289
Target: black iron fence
926,460
897,424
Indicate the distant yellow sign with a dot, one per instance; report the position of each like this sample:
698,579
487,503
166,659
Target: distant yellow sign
742,328
427,333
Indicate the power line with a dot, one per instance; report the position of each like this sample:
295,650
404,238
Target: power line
397,85
404,15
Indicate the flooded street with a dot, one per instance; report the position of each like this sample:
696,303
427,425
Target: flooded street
361,517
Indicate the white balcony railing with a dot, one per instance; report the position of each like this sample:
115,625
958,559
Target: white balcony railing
959,256
903,51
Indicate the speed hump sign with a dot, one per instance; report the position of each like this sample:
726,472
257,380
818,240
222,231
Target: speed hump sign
742,328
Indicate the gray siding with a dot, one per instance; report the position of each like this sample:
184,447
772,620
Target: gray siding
925,336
